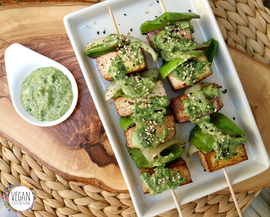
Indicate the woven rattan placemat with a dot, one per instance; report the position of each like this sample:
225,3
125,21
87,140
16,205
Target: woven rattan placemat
59,197
245,25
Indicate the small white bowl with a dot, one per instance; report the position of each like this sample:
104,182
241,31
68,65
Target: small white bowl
20,63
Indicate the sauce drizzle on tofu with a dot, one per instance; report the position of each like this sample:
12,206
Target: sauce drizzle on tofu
162,179
134,85
148,121
190,71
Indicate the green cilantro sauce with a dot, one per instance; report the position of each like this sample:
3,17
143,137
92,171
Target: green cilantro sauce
47,94
223,144
170,38
133,86
190,71
162,179
201,103
147,120
171,44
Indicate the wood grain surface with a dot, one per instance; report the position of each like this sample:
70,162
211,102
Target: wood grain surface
78,148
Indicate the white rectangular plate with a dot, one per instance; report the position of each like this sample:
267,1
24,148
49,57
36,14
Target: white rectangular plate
83,26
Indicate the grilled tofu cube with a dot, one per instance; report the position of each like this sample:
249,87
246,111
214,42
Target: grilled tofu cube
210,163
177,165
177,84
125,105
169,125
104,62
179,110
182,33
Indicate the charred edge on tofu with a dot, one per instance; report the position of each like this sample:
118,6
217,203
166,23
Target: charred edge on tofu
201,102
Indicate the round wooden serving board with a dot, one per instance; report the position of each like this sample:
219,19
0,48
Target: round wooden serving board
78,148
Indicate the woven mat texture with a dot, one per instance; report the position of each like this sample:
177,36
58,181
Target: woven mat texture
245,25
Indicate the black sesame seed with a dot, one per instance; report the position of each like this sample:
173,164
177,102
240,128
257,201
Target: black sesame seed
131,29
157,1
189,10
156,16
98,32
233,118
224,91
104,32
125,14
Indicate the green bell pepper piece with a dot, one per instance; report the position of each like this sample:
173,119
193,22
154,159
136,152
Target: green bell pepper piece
201,141
211,50
204,142
98,50
164,19
125,122
168,67
225,124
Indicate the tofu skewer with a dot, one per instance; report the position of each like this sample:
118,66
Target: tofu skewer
185,169
172,192
177,39
224,170
209,161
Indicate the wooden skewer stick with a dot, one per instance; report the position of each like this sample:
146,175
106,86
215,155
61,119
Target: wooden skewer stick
232,192
113,20
176,203
162,6
172,192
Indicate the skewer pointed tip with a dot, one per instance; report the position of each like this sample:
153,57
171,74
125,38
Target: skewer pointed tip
162,6
176,203
113,21
232,192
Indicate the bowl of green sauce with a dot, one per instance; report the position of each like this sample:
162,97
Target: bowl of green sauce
43,91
